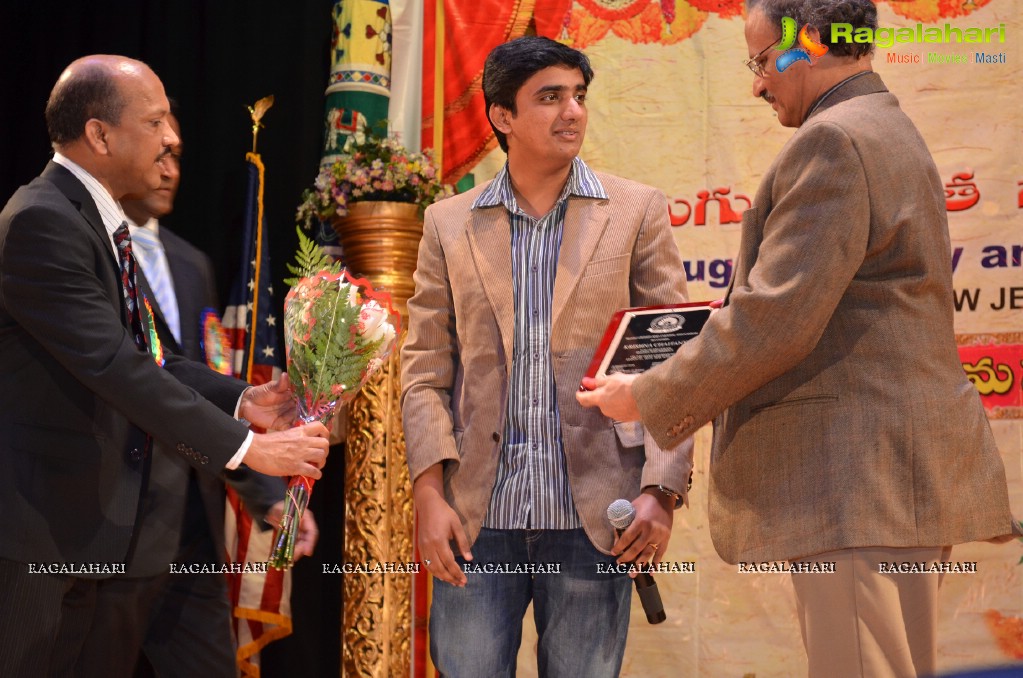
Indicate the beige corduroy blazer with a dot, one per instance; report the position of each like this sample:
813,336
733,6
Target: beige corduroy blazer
849,419
456,360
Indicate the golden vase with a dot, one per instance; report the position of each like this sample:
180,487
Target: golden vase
380,241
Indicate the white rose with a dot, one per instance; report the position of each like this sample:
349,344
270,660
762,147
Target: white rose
372,321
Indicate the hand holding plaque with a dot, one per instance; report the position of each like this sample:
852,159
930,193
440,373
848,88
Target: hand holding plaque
638,338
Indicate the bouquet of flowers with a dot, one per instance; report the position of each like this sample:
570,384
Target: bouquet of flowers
372,167
337,333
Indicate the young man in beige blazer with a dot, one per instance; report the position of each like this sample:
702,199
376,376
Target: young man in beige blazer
515,284
846,430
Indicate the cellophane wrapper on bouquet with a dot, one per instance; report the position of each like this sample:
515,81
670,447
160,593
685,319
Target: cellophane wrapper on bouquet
338,332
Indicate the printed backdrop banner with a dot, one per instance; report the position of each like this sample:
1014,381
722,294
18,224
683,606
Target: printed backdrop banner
672,106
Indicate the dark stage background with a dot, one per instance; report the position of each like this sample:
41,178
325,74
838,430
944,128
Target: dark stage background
215,58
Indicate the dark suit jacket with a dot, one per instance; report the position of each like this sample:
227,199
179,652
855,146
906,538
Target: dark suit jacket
194,285
76,394
184,510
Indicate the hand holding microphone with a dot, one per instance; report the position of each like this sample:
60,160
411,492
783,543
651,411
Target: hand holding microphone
621,513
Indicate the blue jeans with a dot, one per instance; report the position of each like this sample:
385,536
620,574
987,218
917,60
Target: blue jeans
581,613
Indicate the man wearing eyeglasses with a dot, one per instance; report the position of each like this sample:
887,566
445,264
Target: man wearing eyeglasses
845,429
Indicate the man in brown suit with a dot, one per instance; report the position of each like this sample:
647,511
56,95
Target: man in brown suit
845,430
515,284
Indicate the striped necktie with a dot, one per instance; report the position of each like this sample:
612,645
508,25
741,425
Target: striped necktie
149,250
122,239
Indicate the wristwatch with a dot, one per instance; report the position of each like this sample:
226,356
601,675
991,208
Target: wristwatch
676,498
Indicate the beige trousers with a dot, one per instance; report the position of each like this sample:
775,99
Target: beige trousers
865,621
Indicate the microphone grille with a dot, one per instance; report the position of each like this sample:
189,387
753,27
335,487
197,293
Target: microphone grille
621,513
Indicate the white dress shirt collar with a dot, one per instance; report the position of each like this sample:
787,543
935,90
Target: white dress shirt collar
109,209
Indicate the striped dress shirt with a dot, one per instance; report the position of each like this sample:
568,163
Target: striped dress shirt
109,209
532,489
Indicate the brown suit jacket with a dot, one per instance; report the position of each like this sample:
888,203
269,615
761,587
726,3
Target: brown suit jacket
849,419
456,360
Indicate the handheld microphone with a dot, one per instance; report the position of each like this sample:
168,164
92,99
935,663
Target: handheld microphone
621,513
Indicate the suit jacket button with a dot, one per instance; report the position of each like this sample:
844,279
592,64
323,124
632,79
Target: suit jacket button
496,436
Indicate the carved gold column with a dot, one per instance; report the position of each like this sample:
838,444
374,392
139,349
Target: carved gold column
380,241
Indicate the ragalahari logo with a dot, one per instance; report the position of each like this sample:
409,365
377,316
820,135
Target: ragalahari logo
807,46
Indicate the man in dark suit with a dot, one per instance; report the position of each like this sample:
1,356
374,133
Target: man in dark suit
81,397
180,620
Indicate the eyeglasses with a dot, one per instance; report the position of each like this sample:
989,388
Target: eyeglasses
755,64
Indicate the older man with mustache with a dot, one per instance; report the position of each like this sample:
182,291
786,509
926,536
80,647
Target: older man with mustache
83,392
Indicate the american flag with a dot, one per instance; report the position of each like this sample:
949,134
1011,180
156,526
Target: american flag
261,601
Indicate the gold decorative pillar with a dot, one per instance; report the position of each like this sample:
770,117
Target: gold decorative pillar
380,241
